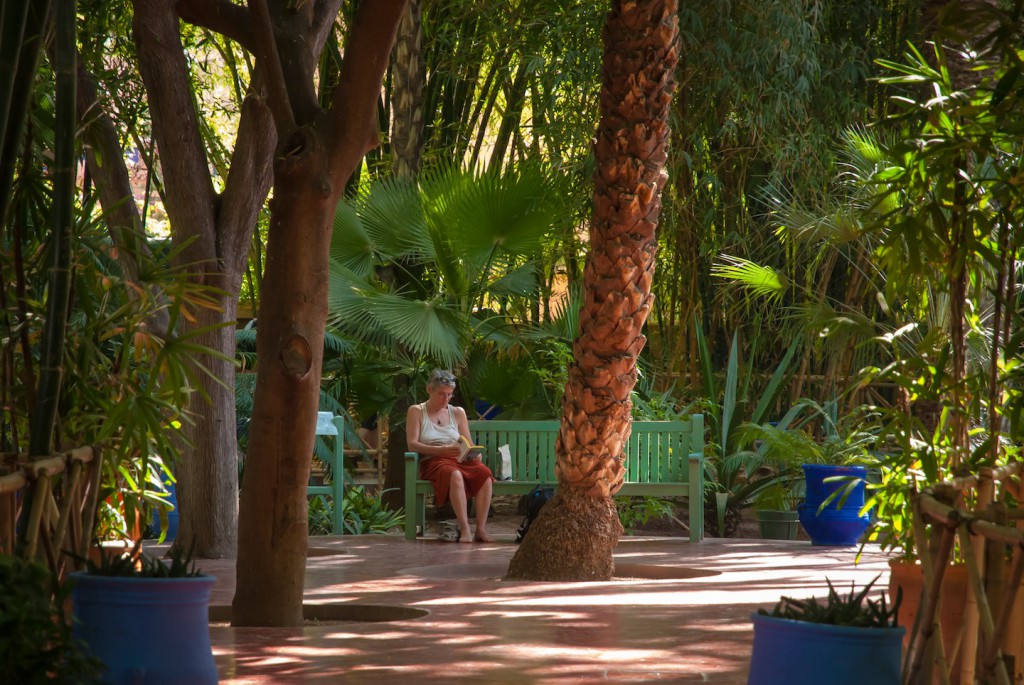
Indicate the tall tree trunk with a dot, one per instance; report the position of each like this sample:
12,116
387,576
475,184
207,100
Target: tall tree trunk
273,533
575,535
409,74
207,474
317,154
409,71
214,231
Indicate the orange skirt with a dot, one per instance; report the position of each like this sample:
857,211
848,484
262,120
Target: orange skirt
438,470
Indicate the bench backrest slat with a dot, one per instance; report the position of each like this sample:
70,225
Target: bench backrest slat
657,451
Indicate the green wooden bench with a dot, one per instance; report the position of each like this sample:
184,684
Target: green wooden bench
327,424
663,459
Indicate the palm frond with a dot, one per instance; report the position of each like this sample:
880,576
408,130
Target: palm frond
392,215
520,281
494,215
759,280
350,244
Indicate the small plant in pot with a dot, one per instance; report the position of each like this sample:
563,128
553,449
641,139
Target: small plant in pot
776,508
778,451
147,620
847,640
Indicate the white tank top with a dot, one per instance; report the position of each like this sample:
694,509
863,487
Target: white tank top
432,434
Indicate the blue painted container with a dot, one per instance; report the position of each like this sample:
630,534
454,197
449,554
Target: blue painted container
839,523
147,631
800,653
818,490
172,515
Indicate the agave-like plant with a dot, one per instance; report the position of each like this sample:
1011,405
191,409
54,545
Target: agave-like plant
734,472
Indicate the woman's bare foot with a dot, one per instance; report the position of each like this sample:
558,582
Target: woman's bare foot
465,536
482,536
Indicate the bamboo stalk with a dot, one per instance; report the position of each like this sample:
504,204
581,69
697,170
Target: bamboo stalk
8,515
972,544
1014,641
12,482
1006,611
934,570
35,517
92,494
60,534
983,616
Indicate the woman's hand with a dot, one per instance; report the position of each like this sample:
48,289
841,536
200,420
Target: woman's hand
451,450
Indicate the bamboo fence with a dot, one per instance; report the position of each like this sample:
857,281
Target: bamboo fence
65,492
990,538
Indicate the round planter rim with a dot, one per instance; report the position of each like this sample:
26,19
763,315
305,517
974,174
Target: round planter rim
852,468
777,514
101,578
864,631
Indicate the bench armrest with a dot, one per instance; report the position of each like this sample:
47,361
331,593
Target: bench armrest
412,473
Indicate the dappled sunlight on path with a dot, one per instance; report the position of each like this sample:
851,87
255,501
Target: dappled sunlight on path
480,629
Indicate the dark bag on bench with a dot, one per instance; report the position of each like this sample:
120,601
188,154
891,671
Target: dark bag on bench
535,501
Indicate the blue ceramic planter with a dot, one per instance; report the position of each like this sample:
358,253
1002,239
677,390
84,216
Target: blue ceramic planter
801,653
172,516
147,631
818,490
838,524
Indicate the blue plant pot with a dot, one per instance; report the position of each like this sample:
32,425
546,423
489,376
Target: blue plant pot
839,523
147,631
801,653
172,516
817,490
833,528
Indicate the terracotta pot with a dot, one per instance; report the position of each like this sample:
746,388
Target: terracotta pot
952,598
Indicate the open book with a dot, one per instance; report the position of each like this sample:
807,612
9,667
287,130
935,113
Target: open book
469,451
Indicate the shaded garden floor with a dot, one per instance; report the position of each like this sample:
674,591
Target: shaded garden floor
687,622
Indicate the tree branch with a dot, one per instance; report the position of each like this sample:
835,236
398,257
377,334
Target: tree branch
232,21
351,127
325,12
189,194
114,188
268,58
249,178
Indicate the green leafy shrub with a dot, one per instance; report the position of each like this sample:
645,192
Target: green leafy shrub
363,513
853,609
637,511
37,644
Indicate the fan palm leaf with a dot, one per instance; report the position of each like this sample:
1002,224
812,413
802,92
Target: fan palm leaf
460,238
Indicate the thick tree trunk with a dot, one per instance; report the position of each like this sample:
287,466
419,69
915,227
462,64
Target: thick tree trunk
207,474
315,159
273,528
217,231
574,539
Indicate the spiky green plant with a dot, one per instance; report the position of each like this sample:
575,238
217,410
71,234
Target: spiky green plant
854,609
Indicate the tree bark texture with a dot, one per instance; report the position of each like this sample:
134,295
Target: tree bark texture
207,473
408,80
215,230
313,163
640,54
273,514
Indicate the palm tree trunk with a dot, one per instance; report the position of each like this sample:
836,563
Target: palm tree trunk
575,535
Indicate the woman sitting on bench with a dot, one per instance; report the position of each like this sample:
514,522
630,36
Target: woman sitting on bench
433,429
